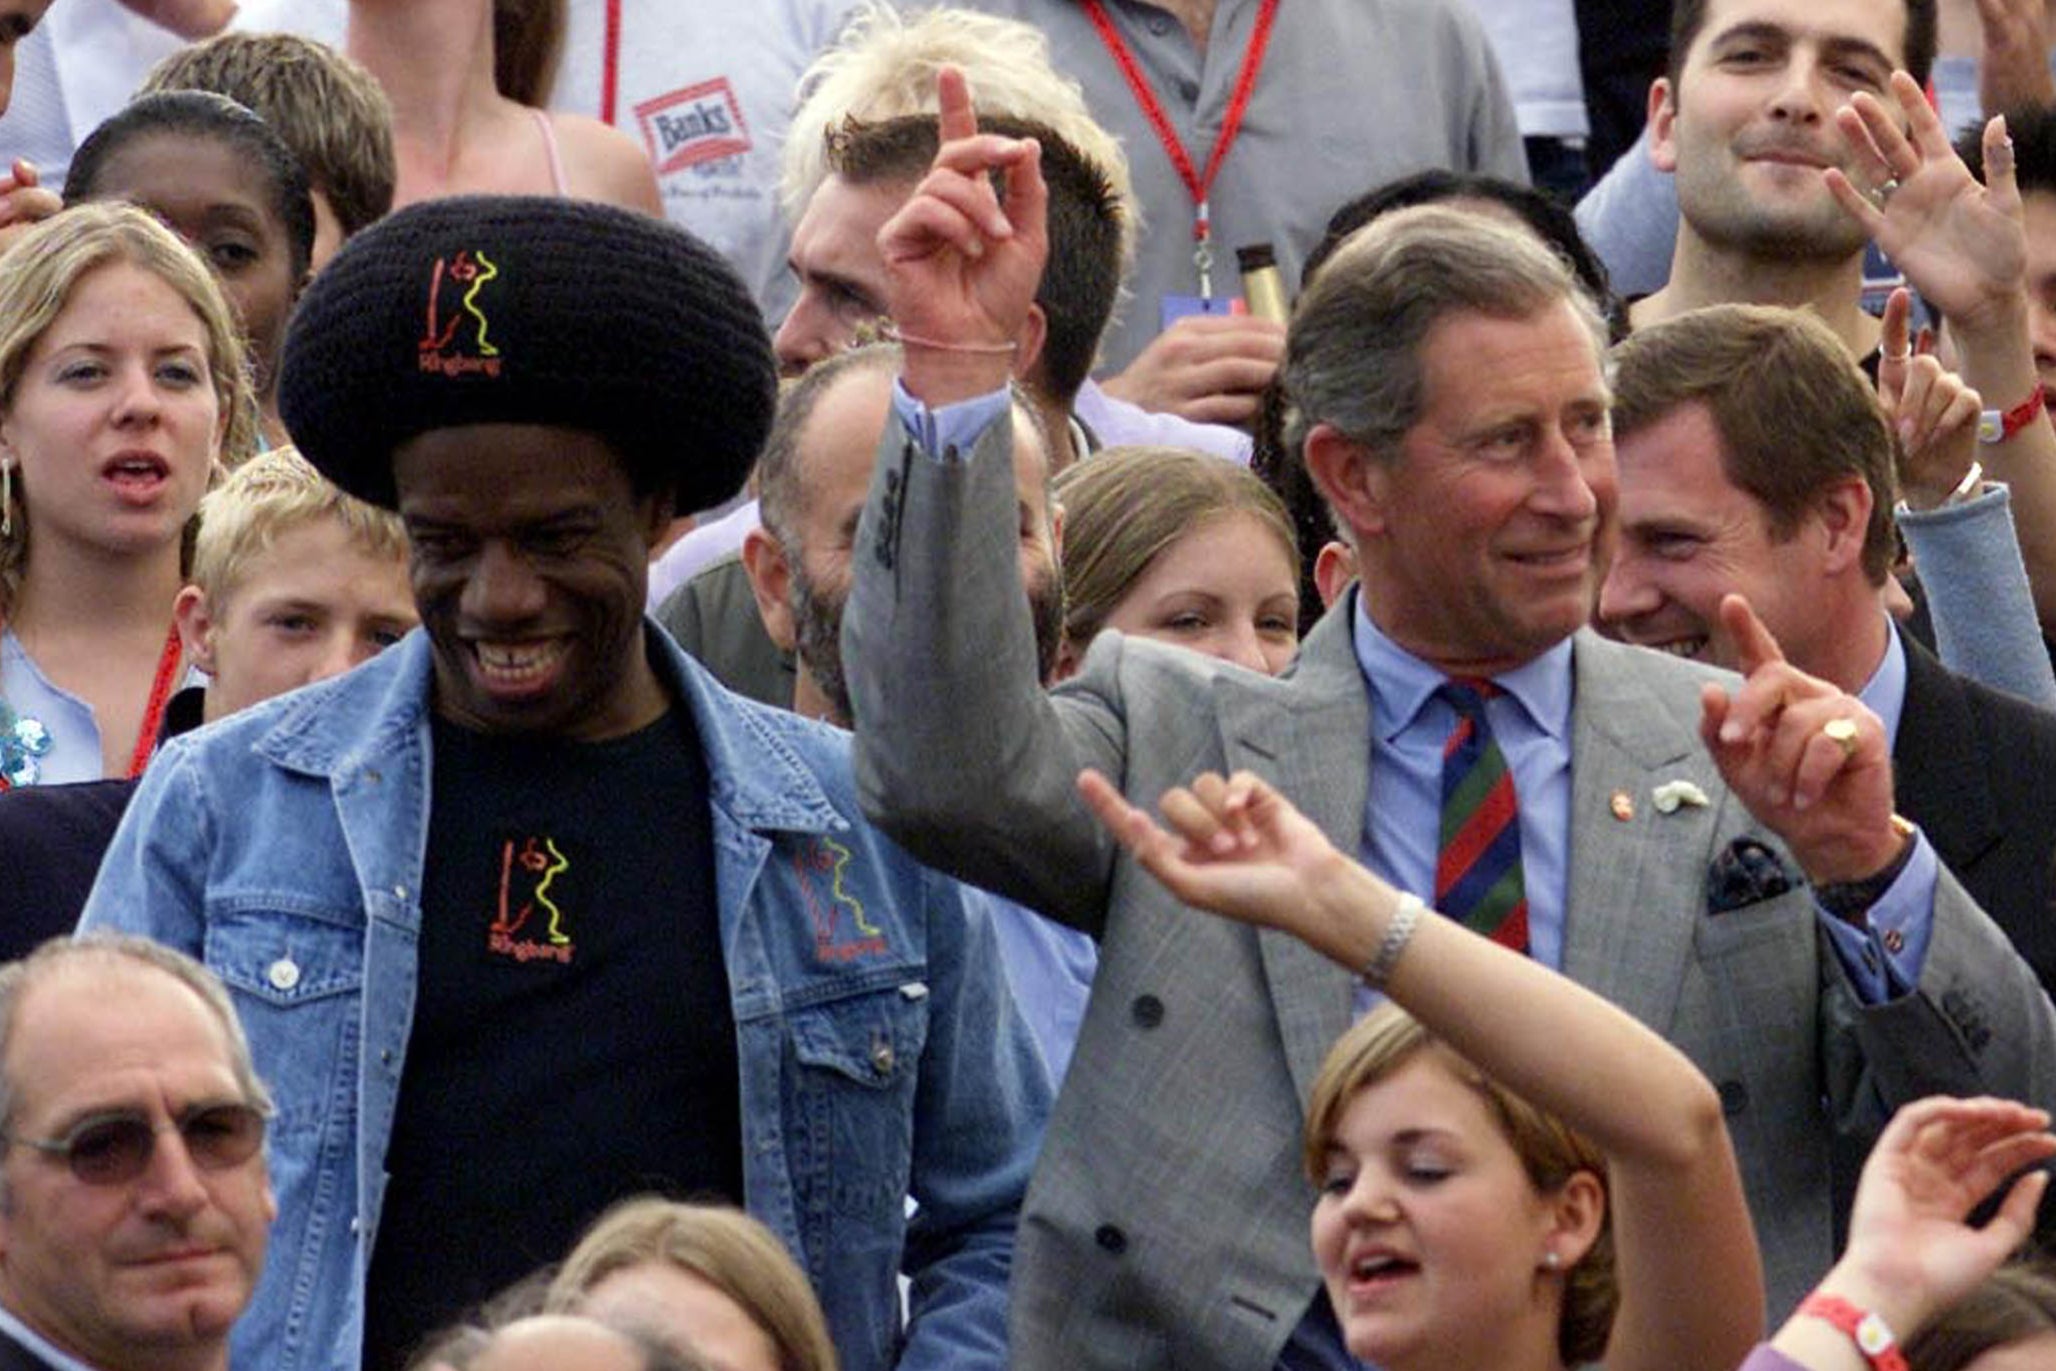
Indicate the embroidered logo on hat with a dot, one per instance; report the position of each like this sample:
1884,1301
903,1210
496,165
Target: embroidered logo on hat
455,343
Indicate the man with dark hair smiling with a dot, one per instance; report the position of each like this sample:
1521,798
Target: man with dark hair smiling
1756,458
528,914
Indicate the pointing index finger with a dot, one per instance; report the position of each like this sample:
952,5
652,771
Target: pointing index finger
1754,646
1895,347
957,117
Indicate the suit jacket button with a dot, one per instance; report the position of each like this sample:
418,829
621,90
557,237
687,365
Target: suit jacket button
1148,1011
1111,1239
1734,1098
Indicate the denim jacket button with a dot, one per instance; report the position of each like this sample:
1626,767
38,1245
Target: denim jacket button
284,974
881,1058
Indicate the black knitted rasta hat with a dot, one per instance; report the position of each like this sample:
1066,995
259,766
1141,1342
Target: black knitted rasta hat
486,309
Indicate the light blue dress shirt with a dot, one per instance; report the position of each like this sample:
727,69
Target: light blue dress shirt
1409,725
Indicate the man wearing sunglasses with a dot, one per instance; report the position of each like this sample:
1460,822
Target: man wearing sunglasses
134,1199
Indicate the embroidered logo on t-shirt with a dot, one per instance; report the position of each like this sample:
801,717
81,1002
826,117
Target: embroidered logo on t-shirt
456,341
841,932
696,124
528,925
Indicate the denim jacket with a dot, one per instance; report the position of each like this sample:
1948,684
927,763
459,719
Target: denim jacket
881,1054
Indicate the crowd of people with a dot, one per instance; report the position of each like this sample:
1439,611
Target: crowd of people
1037,684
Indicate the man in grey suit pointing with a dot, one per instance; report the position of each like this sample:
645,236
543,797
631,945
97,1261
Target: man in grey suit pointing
1722,859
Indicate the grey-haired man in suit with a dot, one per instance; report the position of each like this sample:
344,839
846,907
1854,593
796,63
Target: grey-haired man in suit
1449,400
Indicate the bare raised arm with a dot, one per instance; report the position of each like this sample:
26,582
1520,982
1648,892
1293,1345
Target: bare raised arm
1912,1251
1963,246
1691,1282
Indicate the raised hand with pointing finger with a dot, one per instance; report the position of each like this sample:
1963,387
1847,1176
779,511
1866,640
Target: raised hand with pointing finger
964,255
1808,759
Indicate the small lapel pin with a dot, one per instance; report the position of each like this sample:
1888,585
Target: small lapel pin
1623,805
1672,794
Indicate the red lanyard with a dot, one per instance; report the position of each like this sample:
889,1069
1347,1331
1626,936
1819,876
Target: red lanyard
1196,185
153,712
153,709
610,72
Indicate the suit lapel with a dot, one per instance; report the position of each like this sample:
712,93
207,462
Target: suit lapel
1637,884
1318,753
1939,787
15,1357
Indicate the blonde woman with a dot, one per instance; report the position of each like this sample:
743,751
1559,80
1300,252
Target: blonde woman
122,386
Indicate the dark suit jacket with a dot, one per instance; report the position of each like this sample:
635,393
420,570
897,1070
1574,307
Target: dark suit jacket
1975,768
15,1357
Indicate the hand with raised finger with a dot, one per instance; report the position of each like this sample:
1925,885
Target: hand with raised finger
1895,344
964,255
1960,244
1935,416
1808,760
1232,845
1912,1250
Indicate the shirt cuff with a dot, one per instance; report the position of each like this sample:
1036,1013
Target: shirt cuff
1884,958
951,432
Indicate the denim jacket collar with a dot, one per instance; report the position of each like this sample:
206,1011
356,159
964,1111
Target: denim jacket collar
759,781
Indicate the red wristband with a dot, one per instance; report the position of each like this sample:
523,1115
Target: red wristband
1997,425
1872,1338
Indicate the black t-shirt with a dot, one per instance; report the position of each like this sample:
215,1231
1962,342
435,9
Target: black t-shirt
572,1040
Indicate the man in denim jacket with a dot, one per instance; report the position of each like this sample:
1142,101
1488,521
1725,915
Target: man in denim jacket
530,913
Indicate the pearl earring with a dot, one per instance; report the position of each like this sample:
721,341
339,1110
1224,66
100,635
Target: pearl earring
1552,1259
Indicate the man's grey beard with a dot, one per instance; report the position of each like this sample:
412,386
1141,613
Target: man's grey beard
817,623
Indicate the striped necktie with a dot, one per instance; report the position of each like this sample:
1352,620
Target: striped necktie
1478,870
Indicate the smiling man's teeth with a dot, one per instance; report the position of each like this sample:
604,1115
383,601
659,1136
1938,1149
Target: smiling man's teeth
516,660
1682,647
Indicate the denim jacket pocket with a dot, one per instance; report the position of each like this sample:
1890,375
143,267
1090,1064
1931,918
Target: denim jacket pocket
297,984
858,1062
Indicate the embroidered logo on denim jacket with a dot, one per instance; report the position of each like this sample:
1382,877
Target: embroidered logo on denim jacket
841,932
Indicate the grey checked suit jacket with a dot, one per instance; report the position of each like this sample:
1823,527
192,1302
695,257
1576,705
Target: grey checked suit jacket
1167,1222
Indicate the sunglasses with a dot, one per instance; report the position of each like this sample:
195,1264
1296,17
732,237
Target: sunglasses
113,1149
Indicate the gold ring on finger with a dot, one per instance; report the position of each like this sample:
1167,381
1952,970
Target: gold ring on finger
1841,732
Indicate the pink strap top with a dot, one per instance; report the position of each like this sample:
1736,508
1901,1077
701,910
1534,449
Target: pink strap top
549,133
